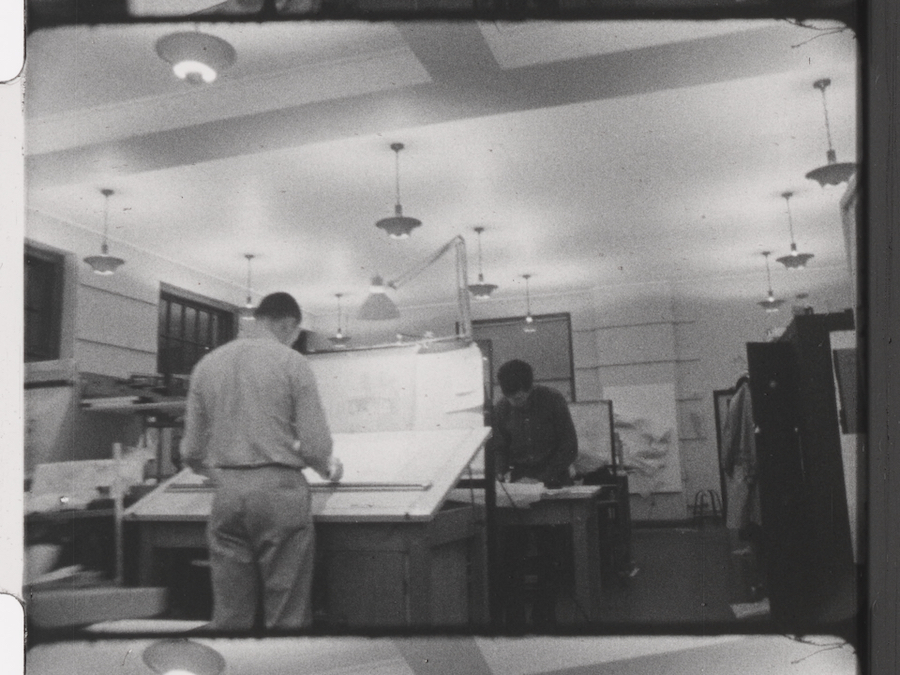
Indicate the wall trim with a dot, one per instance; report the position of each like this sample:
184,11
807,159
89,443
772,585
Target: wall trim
117,346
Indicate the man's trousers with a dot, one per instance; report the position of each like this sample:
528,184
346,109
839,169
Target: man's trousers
261,549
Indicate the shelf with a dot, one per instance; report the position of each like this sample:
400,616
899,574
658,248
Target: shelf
129,408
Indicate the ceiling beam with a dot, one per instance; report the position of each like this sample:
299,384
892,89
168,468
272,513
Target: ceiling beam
467,83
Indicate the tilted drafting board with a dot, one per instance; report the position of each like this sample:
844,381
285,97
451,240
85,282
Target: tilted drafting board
400,388
388,475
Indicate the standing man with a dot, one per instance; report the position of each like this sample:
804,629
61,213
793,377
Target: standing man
254,421
533,440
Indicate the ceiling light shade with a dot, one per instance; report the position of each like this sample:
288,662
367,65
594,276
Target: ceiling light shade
183,656
834,172
481,290
398,226
196,57
340,337
794,260
529,320
771,303
378,306
104,263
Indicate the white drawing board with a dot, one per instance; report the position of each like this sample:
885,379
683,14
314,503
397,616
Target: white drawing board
399,475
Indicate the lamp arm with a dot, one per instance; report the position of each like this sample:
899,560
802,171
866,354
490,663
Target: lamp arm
462,279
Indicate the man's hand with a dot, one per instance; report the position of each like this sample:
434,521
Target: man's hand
335,469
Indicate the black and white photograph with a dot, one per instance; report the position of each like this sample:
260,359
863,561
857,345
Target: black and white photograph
417,338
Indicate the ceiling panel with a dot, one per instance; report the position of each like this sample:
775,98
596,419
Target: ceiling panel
608,154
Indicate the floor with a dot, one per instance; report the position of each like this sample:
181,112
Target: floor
685,578
682,578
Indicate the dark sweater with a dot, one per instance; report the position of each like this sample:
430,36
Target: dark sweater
537,440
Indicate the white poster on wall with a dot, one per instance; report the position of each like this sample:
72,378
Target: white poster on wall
646,422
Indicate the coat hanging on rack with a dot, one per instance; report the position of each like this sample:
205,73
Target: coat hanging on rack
739,459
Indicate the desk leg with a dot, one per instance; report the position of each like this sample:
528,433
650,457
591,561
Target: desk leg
146,551
586,553
418,582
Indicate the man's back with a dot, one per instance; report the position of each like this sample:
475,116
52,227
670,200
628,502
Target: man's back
253,398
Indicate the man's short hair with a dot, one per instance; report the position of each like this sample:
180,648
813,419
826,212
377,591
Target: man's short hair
278,306
515,376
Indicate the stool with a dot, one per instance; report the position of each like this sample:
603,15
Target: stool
707,506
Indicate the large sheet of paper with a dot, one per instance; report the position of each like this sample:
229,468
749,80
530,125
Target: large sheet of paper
646,422
366,391
400,475
401,388
592,426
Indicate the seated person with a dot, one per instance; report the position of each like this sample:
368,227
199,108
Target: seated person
533,439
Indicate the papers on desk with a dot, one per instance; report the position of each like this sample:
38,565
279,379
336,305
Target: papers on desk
518,494
73,485
110,401
507,494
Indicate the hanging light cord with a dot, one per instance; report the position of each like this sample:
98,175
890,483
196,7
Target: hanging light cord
480,274
338,296
249,257
527,295
105,247
787,199
479,230
768,274
397,147
821,85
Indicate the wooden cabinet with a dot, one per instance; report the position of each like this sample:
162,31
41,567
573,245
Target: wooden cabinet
803,500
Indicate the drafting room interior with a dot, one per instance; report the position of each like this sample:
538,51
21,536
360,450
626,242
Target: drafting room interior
632,191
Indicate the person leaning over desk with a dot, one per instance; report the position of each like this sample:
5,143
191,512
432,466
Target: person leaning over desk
533,434
254,420
533,440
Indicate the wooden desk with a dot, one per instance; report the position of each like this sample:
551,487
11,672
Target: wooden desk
576,507
390,553
86,536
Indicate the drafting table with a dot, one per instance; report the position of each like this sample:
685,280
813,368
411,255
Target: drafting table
388,551
576,506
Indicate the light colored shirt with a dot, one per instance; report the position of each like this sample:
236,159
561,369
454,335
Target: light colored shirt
248,402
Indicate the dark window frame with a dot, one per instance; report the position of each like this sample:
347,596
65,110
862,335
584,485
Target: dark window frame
43,316
177,353
538,319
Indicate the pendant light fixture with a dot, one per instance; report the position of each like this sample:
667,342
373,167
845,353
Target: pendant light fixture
378,306
481,290
195,57
398,226
529,320
834,172
104,263
247,311
179,655
794,260
771,303
340,337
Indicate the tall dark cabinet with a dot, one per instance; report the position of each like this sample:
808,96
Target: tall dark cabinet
806,528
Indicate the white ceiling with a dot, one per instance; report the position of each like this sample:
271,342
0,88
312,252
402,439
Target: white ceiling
593,153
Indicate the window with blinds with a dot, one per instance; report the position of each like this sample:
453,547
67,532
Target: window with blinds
188,329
